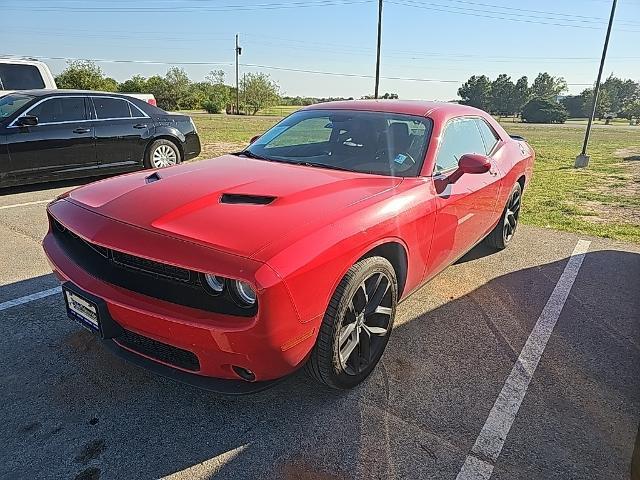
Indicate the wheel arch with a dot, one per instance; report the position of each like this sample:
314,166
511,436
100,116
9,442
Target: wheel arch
396,253
165,136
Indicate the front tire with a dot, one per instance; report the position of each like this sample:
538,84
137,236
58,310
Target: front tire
162,153
356,326
501,235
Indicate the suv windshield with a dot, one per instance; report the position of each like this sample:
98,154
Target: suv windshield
9,104
368,142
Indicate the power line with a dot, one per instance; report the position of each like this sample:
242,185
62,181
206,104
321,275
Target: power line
569,16
270,67
257,41
498,15
193,8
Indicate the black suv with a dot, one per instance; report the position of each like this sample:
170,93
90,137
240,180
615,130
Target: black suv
50,135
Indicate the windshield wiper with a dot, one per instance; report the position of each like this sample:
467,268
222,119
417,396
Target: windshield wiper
250,154
321,165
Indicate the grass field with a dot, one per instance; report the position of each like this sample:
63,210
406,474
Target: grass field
603,200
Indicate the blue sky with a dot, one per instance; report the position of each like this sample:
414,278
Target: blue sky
444,40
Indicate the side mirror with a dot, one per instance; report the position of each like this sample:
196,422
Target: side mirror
253,139
27,121
470,163
474,163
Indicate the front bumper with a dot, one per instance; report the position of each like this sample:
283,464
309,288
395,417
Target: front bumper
272,344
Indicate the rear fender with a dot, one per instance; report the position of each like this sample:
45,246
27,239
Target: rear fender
167,130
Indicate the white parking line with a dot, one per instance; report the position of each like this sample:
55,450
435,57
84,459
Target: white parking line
26,204
479,464
29,298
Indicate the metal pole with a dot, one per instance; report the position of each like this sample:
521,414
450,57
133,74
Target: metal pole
237,78
375,95
582,160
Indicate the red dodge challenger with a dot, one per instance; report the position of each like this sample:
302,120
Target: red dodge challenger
232,273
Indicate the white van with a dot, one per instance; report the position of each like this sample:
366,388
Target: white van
24,74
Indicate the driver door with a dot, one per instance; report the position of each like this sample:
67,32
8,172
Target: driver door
465,207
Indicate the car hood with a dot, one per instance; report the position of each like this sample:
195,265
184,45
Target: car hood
231,203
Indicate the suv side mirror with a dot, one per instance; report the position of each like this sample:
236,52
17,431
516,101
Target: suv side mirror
27,121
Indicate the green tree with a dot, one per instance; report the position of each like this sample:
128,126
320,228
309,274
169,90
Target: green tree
85,75
621,92
218,94
178,88
632,111
476,92
521,94
173,91
502,95
539,110
136,84
603,106
547,87
574,105
392,96
258,91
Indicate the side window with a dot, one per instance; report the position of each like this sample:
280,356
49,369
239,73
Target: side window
135,111
111,108
488,135
461,136
20,77
61,109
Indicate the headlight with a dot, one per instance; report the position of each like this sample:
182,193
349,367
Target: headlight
244,292
214,283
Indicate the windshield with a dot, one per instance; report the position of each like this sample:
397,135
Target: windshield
9,104
368,142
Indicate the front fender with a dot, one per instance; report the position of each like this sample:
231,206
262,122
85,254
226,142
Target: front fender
314,265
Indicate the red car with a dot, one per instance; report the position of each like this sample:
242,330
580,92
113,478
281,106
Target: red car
232,273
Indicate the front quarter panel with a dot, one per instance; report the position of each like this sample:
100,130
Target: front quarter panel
313,266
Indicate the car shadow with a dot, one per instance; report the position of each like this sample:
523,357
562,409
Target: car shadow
36,187
479,251
417,416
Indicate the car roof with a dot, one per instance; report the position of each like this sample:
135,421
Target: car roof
43,92
422,108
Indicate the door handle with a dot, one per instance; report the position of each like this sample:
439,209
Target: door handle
82,130
140,125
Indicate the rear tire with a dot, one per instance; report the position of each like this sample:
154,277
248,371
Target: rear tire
356,326
162,153
503,233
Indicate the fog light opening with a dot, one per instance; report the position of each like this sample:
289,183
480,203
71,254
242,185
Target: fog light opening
244,374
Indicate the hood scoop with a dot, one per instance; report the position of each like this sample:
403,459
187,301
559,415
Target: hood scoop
154,177
246,199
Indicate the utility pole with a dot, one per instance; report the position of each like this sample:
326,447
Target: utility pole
582,160
238,53
375,95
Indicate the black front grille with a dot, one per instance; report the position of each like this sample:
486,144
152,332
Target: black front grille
159,351
149,266
154,279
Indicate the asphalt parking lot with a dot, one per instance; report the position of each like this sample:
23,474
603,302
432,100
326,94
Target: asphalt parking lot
70,410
